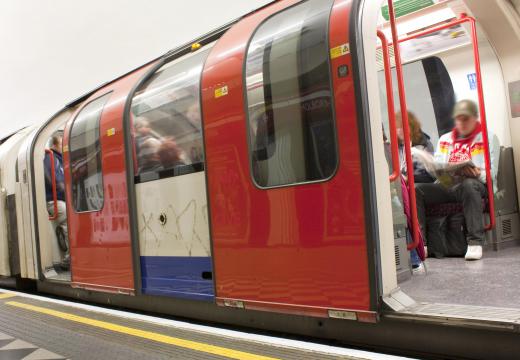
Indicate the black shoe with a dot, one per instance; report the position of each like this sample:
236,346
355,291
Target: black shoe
65,264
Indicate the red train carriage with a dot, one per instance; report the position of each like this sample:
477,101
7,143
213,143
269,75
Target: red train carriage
246,171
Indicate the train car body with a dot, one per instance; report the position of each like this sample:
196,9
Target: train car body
242,178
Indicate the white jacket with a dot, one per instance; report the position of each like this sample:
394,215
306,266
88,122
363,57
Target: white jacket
450,148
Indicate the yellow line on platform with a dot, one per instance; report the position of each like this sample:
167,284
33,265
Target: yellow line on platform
6,295
188,344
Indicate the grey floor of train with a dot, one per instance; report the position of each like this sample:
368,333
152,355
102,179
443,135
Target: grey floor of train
492,281
35,327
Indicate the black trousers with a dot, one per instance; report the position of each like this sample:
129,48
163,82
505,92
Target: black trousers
470,193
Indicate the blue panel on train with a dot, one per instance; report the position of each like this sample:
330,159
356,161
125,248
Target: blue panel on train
177,276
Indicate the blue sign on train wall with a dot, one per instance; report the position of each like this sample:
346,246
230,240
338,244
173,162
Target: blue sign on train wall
472,79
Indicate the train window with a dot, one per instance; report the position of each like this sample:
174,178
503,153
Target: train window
167,120
85,157
289,97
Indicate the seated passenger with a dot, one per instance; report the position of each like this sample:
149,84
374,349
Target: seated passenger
61,220
193,116
420,141
148,155
169,154
142,132
462,144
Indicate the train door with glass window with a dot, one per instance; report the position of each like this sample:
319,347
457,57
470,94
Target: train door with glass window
284,164
95,167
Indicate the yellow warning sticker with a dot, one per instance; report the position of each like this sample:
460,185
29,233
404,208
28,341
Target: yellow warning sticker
65,148
222,91
339,51
111,132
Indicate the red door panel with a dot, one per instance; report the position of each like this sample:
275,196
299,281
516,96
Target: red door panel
100,241
298,248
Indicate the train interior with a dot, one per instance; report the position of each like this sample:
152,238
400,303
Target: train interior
53,242
439,70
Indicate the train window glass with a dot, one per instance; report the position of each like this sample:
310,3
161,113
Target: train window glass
289,97
85,157
167,120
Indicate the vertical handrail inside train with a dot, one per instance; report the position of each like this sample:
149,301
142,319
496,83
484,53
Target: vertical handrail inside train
394,145
476,58
54,215
406,130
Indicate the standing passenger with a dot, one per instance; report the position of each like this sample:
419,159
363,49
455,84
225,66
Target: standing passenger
61,220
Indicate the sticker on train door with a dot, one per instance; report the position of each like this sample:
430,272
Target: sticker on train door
338,51
222,91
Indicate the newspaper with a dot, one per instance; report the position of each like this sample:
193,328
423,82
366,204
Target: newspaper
447,174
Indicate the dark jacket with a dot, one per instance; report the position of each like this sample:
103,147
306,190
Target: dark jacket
60,176
420,174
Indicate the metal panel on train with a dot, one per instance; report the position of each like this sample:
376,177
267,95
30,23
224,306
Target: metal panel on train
300,247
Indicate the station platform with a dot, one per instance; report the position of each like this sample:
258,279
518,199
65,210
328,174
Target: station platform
35,327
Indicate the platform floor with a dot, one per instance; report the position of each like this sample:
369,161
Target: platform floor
492,281
37,328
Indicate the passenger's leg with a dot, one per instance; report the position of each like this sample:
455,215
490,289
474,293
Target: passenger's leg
429,194
470,193
62,220
62,215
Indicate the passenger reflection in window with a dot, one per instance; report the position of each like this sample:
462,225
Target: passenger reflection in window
194,119
170,155
168,124
142,132
193,115
148,155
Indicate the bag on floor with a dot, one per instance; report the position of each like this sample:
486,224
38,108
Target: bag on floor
456,236
446,236
437,242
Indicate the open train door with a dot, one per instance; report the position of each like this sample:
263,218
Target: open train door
367,32
96,176
287,200
403,108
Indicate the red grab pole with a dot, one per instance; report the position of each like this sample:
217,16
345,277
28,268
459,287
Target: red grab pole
391,109
483,120
406,129
476,57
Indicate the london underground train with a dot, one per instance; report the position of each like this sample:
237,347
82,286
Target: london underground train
243,179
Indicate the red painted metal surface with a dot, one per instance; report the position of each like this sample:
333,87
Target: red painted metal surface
476,58
54,215
394,144
406,130
100,242
301,247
